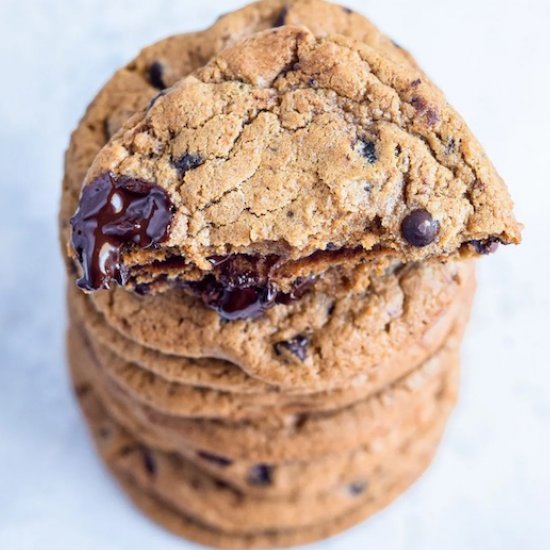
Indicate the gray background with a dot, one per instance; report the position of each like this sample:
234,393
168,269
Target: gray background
489,487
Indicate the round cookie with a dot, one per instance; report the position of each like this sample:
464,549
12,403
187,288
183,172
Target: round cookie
207,372
187,400
417,397
164,63
317,343
284,157
195,494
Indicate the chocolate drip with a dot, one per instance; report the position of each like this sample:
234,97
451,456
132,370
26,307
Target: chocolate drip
115,212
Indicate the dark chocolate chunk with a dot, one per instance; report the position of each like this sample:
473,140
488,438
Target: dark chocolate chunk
187,162
297,346
156,72
215,459
419,228
349,11
234,303
115,212
260,475
485,247
368,150
357,487
281,18
240,286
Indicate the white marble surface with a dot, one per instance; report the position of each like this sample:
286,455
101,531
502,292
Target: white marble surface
490,485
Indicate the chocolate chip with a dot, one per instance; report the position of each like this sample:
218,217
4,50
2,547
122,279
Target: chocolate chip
415,83
156,72
349,11
187,162
281,18
357,487
419,228
215,459
368,150
485,247
114,212
260,475
297,346
148,461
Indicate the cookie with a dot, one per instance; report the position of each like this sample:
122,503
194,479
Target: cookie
167,61
417,397
220,507
286,156
184,399
317,343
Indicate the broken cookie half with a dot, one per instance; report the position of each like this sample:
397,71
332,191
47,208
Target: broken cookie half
285,160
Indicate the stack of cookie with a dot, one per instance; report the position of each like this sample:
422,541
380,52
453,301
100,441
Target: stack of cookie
271,226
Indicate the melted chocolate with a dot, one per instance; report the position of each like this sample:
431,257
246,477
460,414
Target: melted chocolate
419,228
240,287
115,212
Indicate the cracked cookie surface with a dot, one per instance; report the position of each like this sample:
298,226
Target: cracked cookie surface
299,153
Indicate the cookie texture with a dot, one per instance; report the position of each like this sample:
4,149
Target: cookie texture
268,154
145,474
164,63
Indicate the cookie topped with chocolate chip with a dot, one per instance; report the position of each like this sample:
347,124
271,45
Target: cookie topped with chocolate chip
272,212
284,156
